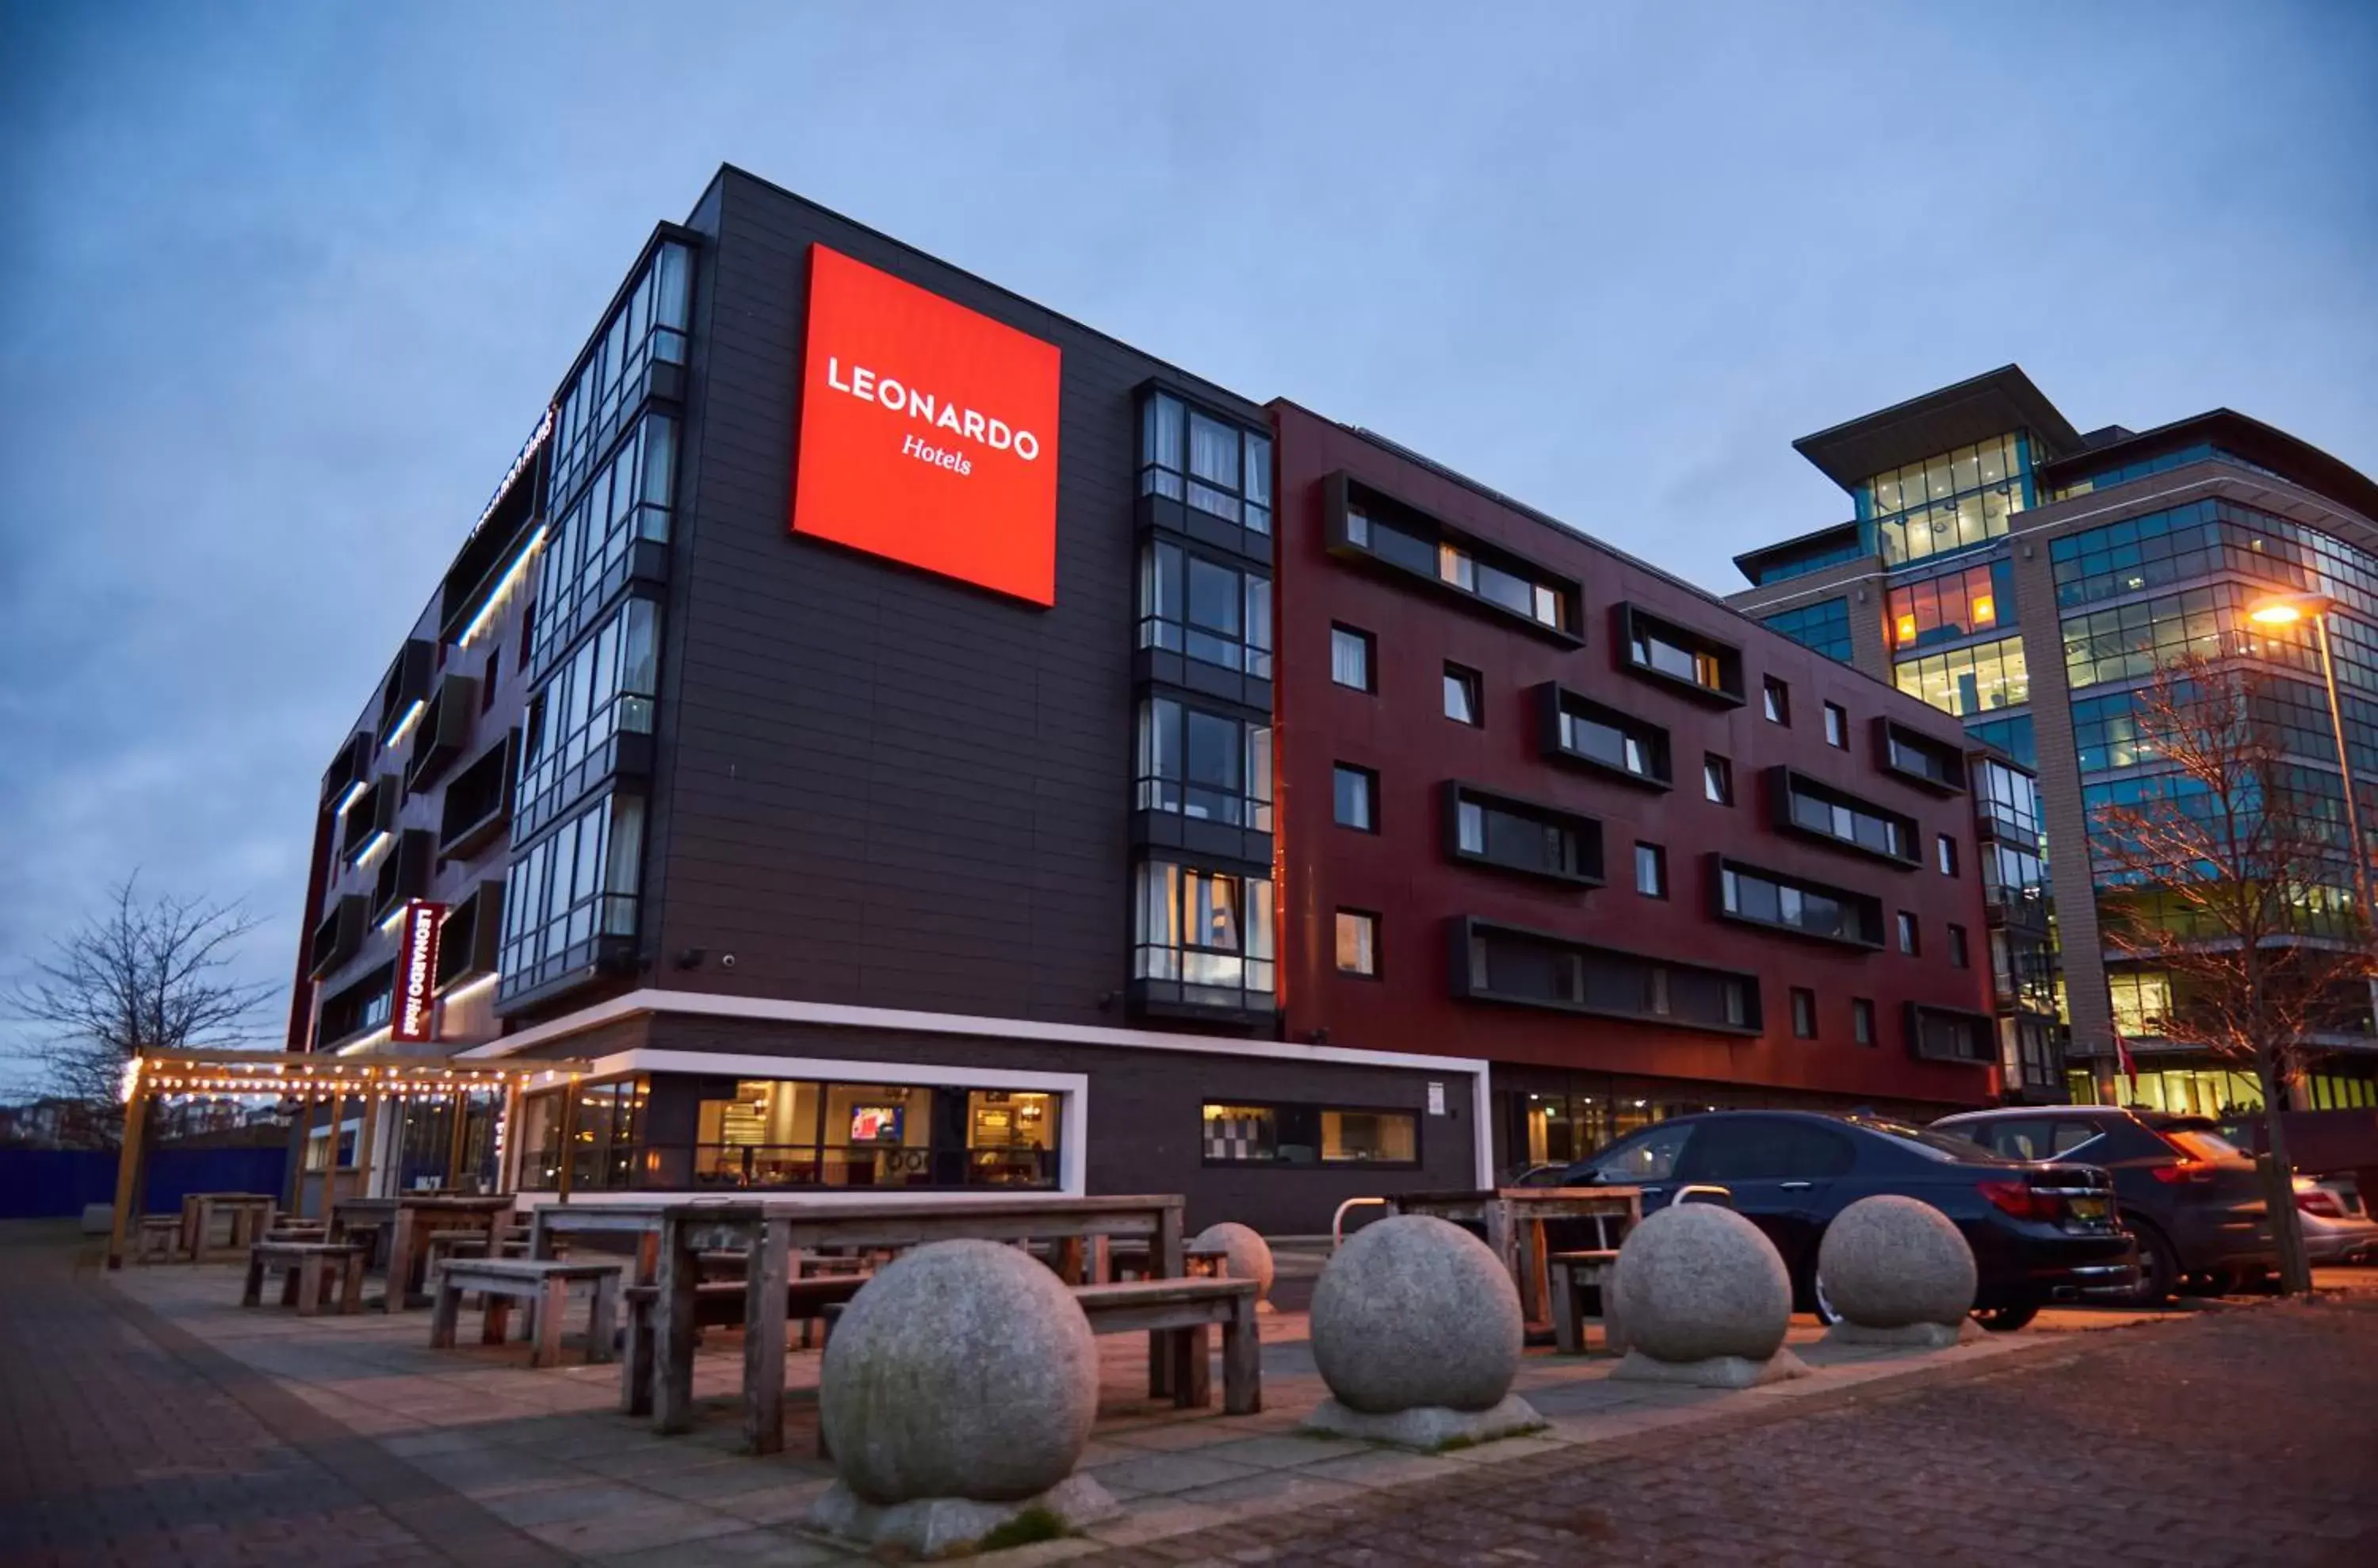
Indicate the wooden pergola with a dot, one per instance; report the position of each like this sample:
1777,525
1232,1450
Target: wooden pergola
367,1082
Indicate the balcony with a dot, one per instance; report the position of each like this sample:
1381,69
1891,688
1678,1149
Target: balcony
470,940
479,803
403,873
1694,663
1792,906
444,731
405,689
1507,834
338,937
348,770
372,817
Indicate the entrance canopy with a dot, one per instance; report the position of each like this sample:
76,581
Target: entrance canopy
367,1082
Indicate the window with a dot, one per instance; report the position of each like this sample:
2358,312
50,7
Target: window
1907,933
1349,658
1204,766
2205,538
1737,1149
1217,613
1959,603
1775,700
1717,780
1970,681
1219,469
1758,897
1309,1135
1958,953
1815,809
1520,967
1951,501
1576,729
1462,696
2131,640
1358,943
2013,736
569,890
587,554
1937,765
1649,1155
1862,1020
1381,530
1804,1013
1652,871
1680,657
1207,931
649,328
1822,628
1837,726
1527,837
1355,791
1944,1034
1948,850
605,689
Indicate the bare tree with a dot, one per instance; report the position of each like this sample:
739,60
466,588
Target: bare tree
149,971
2226,870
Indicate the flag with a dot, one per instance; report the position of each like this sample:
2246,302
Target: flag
2123,1054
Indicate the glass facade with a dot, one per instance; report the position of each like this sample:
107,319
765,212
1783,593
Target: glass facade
1969,680
775,1133
1951,501
649,326
603,690
1204,766
2129,642
570,889
1951,605
586,556
1205,462
2106,478
1784,568
1823,627
2208,539
1209,932
2013,736
1214,611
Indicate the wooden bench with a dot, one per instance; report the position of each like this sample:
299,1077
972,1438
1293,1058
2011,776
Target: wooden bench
301,1264
718,1304
544,1285
160,1240
1572,1273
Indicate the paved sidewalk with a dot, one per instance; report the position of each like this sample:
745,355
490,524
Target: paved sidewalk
2245,1437
123,1440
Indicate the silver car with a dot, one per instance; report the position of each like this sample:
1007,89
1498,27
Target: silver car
2337,1226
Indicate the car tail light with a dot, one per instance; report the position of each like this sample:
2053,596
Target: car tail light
2196,1172
2325,1204
2017,1198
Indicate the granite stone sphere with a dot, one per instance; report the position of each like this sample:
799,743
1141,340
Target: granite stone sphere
1697,1281
1887,1261
1415,1312
963,1369
1249,1253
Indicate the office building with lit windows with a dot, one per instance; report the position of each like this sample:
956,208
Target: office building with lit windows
2027,578
904,738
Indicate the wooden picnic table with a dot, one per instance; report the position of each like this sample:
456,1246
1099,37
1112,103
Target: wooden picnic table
250,1212
1513,1218
768,1234
548,1223
409,1220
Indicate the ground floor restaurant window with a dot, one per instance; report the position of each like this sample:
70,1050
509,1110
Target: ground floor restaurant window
677,1132
1310,1135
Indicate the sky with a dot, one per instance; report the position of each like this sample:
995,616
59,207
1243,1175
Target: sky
284,288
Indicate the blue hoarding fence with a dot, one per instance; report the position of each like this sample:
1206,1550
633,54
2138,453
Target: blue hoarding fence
56,1183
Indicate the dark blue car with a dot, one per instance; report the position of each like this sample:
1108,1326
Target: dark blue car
2040,1231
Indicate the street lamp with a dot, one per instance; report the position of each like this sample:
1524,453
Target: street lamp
2285,609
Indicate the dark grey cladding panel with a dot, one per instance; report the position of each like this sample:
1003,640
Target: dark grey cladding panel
878,786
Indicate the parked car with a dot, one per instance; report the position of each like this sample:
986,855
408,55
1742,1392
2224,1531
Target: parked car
2193,1198
2040,1233
2336,1227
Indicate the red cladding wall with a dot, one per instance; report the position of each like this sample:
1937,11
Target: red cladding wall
927,432
1402,872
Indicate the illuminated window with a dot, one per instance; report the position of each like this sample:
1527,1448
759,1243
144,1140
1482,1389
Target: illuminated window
1207,931
1309,1135
1958,604
1358,943
1951,501
1969,680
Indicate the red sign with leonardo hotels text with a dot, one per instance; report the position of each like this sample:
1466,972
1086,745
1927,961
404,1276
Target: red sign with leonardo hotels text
413,1013
927,432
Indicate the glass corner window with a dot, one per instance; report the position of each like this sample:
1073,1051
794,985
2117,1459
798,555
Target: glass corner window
1205,462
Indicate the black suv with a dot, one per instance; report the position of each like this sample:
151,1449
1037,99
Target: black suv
2040,1233
2193,1197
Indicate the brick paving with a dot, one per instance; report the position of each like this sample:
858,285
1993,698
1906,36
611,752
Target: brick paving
2243,1437
126,1441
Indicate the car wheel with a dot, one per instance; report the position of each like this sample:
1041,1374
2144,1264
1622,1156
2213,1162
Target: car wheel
2006,1320
2159,1268
1819,1302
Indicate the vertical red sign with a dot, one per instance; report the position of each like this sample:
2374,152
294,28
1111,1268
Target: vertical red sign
413,1020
